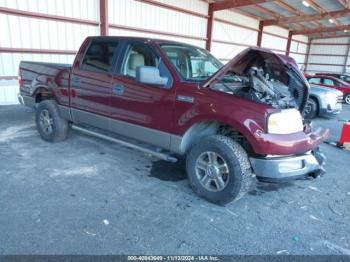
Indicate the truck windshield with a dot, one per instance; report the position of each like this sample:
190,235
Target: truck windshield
192,63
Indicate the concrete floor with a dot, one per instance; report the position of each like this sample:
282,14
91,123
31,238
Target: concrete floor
86,196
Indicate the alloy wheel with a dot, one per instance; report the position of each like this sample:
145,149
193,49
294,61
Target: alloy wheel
212,171
46,121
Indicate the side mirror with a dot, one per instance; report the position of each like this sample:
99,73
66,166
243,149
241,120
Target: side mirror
150,75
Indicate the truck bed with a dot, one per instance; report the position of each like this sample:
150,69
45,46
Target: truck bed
41,72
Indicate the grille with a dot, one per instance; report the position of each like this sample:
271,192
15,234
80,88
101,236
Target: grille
340,99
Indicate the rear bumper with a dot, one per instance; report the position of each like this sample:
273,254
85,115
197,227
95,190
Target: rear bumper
279,169
26,100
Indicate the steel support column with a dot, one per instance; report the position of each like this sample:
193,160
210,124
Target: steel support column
260,33
210,24
347,57
104,17
289,42
307,54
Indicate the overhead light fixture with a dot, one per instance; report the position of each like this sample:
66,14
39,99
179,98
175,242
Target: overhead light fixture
331,20
305,3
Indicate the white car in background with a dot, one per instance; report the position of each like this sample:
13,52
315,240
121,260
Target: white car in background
323,102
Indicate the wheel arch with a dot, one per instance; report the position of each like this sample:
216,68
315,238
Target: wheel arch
213,127
42,92
318,103
345,96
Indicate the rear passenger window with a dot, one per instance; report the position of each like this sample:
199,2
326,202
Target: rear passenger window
315,80
99,56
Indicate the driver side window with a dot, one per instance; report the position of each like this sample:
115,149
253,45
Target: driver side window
138,55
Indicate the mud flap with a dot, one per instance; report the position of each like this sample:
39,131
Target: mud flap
321,159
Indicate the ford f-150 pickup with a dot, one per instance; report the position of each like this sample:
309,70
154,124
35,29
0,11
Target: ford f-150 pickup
234,122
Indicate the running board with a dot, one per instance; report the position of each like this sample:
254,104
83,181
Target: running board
163,156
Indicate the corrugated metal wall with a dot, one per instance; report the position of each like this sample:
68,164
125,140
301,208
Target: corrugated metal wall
233,32
32,33
57,40
329,55
49,36
242,31
159,22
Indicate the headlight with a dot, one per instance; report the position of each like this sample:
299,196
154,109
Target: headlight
330,97
285,122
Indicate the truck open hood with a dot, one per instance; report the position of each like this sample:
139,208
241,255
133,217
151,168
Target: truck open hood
273,68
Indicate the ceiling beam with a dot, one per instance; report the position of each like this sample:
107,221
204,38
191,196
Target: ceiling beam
315,6
266,11
307,18
322,30
316,23
299,26
228,4
321,10
321,36
287,7
344,3
239,11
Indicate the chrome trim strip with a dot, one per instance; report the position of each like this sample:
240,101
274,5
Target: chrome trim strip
127,144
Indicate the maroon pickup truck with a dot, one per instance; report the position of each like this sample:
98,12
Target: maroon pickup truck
234,122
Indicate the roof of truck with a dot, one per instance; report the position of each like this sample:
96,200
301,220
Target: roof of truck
140,39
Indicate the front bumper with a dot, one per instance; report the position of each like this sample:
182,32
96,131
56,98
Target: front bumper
279,169
329,110
26,100
291,144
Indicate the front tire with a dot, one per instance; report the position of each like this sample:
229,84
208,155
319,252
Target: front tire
219,170
347,99
311,109
51,126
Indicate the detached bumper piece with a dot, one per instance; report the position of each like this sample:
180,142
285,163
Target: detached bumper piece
26,100
281,169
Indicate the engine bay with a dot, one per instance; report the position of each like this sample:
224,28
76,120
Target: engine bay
265,81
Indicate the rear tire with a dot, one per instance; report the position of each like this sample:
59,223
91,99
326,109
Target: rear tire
51,126
311,109
347,99
214,157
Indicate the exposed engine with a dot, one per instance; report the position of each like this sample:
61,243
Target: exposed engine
266,83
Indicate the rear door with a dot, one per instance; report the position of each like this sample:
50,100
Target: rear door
142,111
315,80
91,83
329,82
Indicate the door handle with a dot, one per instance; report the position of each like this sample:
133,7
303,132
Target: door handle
186,99
118,89
76,80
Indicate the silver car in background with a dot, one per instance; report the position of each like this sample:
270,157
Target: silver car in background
324,102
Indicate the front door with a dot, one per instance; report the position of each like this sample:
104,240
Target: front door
142,111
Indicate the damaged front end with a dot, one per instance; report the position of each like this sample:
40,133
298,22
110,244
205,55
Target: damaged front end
264,77
291,147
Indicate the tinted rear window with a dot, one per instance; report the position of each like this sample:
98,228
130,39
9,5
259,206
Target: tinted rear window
99,56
